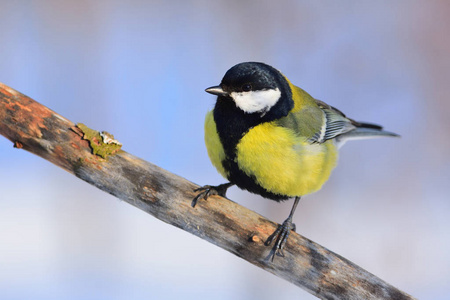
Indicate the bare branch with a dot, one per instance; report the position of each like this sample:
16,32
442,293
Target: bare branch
35,128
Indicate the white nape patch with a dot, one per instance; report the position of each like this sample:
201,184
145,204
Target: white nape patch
256,101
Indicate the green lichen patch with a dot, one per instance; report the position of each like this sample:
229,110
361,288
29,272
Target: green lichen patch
102,144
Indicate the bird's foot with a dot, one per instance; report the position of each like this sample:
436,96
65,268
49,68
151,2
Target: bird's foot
280,235
209,190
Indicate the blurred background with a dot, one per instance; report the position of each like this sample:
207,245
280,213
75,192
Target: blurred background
139,69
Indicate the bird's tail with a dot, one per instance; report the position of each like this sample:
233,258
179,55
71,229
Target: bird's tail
364,131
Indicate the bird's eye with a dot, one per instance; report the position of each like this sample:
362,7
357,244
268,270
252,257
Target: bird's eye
247,87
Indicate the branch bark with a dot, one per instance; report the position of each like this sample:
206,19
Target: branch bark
35,128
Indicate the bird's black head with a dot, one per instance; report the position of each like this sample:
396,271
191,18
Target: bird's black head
257,89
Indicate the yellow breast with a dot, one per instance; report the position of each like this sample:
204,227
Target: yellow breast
215,149
284,163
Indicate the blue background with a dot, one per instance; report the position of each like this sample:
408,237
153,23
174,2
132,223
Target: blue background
139,69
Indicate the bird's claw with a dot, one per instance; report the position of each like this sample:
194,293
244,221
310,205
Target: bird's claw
206,191
210,190
280,235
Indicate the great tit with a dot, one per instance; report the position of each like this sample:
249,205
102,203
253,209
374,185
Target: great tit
272,138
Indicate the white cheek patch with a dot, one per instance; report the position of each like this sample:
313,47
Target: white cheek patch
256,101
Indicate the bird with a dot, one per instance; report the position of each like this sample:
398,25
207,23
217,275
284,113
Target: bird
271,138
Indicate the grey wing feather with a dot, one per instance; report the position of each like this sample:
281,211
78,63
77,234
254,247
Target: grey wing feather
337,126
335,123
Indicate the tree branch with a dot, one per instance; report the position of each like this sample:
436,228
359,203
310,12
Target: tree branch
35,128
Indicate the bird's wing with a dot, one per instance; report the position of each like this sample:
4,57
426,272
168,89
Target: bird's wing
317,122
339,127
334,123
322,122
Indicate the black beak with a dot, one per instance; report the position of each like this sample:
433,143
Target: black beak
216,90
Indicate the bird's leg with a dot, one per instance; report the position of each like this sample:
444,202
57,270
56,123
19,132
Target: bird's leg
209,190
282,233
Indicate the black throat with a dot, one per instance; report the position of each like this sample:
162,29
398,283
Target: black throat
232,123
